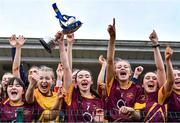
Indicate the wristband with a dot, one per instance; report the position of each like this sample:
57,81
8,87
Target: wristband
154,46
58,83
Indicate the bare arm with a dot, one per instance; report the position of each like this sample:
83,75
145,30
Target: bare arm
60,74
111,52
161,74
70,40
102,73
64,61
18,43
169,70
138,71
33,79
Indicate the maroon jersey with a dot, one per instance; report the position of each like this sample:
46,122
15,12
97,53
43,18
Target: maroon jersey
153,106
174,107
8,112
81,109
117,97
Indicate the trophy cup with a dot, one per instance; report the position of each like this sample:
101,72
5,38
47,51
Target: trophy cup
68,25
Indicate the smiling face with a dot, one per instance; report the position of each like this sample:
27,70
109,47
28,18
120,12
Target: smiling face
5,80
84,80
123,70
15,90
45,82
150,82
176,85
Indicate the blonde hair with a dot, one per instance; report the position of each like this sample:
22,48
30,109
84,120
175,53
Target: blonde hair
117,60
47,69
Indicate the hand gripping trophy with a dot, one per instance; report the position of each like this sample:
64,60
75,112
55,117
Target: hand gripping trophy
68,25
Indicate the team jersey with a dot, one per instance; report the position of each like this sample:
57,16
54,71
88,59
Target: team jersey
8,112
153,106
174,107
79,108
45,102
118,97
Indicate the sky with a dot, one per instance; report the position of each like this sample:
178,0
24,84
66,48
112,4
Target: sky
135,19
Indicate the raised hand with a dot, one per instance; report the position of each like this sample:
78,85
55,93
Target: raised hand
102,60
33,79
17,42
112,30
154,38
59,71
13,40
61,92
59,37
138,71
70,38
168,53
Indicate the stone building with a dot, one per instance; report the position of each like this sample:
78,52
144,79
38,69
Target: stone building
86,53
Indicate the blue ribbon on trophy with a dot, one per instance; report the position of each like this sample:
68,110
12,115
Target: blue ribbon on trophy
68,25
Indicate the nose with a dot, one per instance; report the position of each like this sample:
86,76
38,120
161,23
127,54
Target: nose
44,80
13,86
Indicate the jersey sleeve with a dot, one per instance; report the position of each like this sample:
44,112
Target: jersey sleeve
162,95
68,98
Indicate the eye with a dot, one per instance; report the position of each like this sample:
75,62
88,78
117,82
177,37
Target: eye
10,86
147,77
154,78
119,67
35,71
125,66
47,78
18,85
30,72
178,74
41,78
80,76
87,76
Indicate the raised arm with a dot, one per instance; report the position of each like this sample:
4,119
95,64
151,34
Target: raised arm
59,80
102,74
64,61
70,41
137,72
161,74
169,70
33,79
110,52
17,43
